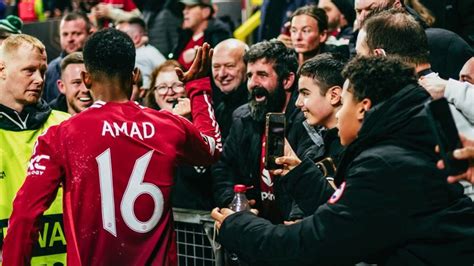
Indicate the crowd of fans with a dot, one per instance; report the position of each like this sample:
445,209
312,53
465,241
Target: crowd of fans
154,105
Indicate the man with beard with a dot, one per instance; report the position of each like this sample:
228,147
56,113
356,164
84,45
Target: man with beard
74,97
392,206
271,76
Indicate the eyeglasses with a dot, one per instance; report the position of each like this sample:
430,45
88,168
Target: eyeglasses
162,89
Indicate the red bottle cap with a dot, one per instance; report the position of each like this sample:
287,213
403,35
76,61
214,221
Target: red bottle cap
240,188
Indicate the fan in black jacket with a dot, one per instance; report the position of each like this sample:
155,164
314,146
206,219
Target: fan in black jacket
393,207
271,70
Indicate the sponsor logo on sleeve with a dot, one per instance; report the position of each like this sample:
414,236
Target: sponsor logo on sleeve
35,167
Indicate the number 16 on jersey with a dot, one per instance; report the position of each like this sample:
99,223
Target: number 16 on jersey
135,188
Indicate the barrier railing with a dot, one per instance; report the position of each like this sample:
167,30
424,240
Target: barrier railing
194,236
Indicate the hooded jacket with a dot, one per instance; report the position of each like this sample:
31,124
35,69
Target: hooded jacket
392,207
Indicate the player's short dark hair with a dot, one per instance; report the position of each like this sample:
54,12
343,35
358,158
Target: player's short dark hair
70,16
72,58
110,52
399,34
284,60
377,78
325,70
315,12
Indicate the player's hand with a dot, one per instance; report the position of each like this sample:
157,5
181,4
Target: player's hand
200,66
289,161
434,85
464,153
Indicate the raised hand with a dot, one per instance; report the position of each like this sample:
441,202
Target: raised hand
200,66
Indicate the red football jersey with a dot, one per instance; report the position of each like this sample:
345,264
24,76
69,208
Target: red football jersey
116,163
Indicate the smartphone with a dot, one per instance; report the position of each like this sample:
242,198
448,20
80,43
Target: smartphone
447,135
275,139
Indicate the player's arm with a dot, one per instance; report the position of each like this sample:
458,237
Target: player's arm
203,141
34,197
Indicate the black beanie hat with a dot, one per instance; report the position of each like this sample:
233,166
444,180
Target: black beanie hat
347,9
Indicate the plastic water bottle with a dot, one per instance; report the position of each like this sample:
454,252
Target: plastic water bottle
238,204
240,201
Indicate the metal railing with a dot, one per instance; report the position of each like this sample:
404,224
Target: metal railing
194,236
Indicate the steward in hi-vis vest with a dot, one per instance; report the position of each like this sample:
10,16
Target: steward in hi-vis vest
18,134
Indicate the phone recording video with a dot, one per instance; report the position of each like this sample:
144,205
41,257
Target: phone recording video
447,135
275,139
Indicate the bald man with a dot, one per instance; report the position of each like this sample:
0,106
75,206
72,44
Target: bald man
228,71
467,71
